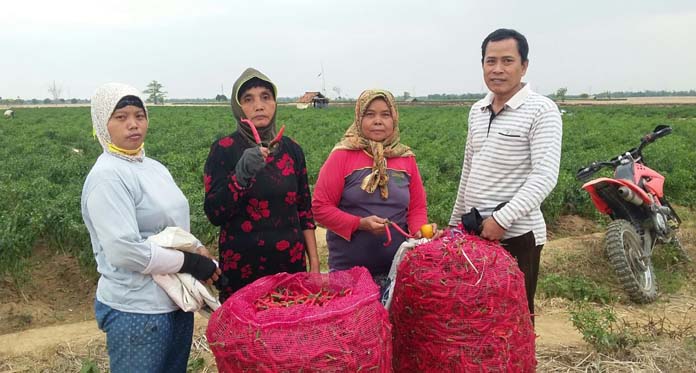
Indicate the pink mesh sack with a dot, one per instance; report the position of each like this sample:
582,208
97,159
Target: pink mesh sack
303,322
460,306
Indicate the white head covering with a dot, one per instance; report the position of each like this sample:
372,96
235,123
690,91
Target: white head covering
103,104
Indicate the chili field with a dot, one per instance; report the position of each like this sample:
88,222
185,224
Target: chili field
47,153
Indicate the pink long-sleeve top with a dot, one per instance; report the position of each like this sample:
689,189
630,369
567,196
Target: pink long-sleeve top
339,203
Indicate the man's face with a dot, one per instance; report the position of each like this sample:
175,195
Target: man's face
503,68
258,105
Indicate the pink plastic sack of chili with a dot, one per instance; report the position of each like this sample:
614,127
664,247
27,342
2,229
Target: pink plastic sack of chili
460,306
303,322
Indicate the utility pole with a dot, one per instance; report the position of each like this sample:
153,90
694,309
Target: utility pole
323,80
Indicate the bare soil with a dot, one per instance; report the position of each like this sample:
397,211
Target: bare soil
48,324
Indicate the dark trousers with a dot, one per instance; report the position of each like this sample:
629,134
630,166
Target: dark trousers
528,255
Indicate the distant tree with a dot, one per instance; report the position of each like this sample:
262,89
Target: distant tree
73,101
561,94
604,95
34,101
155,92
55,91
407,95
220,98
584,96
47,100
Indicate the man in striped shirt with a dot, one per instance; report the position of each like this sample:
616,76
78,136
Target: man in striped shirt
512,155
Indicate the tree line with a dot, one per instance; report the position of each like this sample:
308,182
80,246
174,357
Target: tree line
156,95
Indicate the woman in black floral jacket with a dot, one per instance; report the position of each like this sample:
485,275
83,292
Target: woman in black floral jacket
256,190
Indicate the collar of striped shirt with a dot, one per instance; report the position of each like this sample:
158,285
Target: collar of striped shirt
514,102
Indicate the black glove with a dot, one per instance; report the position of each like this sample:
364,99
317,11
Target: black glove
222,282
472,222
199,266
249,164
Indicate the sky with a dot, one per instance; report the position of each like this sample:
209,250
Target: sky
199,48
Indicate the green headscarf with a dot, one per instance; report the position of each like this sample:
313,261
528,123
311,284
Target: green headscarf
266,133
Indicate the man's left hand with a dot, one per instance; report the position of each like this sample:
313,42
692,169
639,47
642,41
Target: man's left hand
491,230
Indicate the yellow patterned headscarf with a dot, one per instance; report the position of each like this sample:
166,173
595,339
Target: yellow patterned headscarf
354,139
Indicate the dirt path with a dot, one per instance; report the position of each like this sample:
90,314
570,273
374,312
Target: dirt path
553,329
41,339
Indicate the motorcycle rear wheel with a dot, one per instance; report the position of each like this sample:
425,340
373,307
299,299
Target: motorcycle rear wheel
635,273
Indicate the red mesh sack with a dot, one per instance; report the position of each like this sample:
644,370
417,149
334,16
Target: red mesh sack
460,306
303,322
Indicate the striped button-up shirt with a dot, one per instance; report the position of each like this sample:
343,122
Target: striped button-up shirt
511,157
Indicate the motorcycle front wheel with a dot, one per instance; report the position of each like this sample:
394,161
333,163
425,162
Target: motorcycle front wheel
633,269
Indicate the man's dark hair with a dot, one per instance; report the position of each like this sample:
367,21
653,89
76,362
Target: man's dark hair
253,83
502,34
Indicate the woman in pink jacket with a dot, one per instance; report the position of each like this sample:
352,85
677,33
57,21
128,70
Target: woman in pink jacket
369,180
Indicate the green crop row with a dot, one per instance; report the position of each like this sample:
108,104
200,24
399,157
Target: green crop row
47,152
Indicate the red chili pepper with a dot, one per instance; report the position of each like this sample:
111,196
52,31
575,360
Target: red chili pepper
398,229
280,298
389,238
251,125
276,140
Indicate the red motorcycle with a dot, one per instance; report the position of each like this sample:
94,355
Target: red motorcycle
641,216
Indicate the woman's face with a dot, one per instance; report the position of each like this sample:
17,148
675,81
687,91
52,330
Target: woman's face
377,124
258,105
128,127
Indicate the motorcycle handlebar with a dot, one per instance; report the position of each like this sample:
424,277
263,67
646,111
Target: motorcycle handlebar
584,173
661,130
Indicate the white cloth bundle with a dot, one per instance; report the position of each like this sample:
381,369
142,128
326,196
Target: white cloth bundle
405,247
187,292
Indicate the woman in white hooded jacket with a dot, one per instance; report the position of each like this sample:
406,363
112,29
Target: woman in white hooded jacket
126,198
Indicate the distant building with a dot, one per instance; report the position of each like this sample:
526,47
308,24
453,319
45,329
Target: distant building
316,99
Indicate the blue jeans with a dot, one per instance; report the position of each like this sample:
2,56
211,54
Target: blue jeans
146,342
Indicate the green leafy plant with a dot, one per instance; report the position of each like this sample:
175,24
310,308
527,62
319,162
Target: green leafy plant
601,329
47,153
195,365
671,269
574,288
89,366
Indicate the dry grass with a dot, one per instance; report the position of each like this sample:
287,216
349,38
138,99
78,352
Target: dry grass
662,356
659,356
68,358
64,358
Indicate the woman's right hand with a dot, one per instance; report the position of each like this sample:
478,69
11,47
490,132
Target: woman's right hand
373,224
251,162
